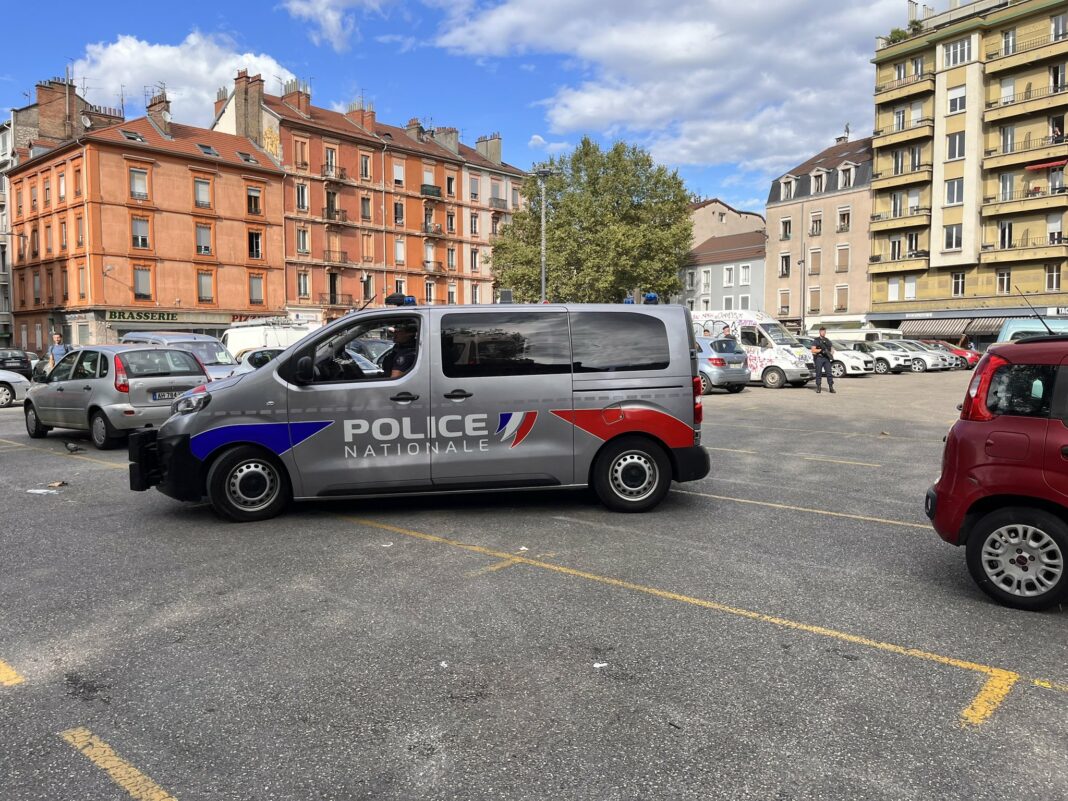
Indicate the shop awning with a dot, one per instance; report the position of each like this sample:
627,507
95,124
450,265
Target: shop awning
985,326
1046,165
933,329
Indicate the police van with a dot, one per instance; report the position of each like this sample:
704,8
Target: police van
465,398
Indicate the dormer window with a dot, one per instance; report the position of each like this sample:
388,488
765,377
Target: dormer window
132,136
848,174
248,158
818,182
208,150
786,188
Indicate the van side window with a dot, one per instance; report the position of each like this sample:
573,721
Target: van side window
608,342
380,348
749,336
504,344
1022,390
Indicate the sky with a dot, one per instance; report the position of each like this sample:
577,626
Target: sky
731,93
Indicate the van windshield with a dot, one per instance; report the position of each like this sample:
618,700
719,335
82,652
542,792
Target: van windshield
778,334
210,353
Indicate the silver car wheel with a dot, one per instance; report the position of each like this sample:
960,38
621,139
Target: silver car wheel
252,485
706,385
6,396
838,369
100,430
1022,560
634,475
882,367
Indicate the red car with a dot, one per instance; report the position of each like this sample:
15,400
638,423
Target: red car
1003,492
972,357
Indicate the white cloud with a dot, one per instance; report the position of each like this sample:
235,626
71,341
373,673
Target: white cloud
404,44
539,142
760,85
334,20
192,71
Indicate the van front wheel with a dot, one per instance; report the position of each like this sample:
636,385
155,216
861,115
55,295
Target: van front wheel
631,474
246,484
774,378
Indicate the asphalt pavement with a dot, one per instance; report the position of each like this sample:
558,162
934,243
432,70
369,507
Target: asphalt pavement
788,628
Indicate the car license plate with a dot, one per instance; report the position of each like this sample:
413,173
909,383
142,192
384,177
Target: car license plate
165,395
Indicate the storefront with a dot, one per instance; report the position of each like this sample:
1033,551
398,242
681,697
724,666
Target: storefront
978,327
106,326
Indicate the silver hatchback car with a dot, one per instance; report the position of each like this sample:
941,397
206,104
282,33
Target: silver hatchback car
110,390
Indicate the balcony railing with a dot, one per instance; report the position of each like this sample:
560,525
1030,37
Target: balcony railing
1029,94
841,229
906,255
1024,194
784,237
335,215
498,203
335,299
1026,144
302,165
897,84
899,173
430,190
1039,241
912,211
332,172
336,256
433,229
432,266
905,126
1030,44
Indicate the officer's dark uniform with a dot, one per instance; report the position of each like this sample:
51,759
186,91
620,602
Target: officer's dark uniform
401,357
823,361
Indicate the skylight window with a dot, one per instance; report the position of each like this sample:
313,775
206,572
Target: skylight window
208,150
248,158
133,136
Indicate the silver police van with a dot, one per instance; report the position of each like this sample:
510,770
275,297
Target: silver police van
465,398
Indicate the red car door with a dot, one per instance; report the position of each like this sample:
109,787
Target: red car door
1055,460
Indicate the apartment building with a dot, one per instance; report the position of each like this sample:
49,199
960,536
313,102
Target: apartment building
7,158
726,272
817,217
144,224
712,217
969,201
370,208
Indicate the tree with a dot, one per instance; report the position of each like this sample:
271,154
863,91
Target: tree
615,222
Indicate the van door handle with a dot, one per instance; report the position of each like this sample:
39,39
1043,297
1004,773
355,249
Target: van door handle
458,394
404,397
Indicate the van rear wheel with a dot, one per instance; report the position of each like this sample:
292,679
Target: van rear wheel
631,474
246,484
774,378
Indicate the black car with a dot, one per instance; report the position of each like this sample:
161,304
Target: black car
17,361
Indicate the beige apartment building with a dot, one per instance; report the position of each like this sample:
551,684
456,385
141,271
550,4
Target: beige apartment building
817,252
968,195
712,217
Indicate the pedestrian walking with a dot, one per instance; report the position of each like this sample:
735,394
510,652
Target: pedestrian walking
726,333
57,350
823,352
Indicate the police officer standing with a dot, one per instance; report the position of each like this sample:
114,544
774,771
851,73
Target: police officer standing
823,351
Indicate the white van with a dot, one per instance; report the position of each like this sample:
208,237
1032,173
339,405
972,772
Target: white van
776,358
275,333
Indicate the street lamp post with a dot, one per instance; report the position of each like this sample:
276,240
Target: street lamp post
542,174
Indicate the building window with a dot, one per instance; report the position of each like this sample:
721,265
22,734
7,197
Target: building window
784,265
815,262
910,287
841,298
953,239
398,251
47,192
895,247
494,225
955,146
398,214
728,302
954,191
132,136
428,291
202,193
450,222
957,52
18,202
474,223
81,282
63,235
302,197
844,216
398,286
203,240
139,228
474,188
33,198
248,158
728,276
138,184
814,300
848,176
958,285
252,196
365,166
36,289
255,244
79,230
451,296
205,286
208,150
302,285
63,283
34,247
475,293
784,302
61,187
690,279
450,258
817,182
744,275
841,259
893,289
957,100
398,173
365,208
77,183
255,289
474,260
1058,26
1008,42
368,246
48,239
743,302
1053,278
816,225
786,228
786,189
1004,282
302,240
142,283
450,185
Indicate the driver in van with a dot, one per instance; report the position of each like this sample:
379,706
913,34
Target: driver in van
401,357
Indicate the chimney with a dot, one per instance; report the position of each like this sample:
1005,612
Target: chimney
254,110
297,93
159,111
841,140
414,128
364,117
448,138
241,103
221,97
489,147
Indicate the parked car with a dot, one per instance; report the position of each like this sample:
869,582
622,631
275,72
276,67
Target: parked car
949,360
722,363
970,357
13,387
886,359
923,360
845,360
17,361
208,350
1003,490
110,390
254,358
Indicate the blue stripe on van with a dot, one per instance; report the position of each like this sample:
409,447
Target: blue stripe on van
276,437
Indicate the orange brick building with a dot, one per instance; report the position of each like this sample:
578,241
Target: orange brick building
372,209
146,224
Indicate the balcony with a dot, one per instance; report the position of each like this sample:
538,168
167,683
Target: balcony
1031,51
892,180
881,264
1027,150
335,215
907,218
1036,248
332,172
335,299
1030,101
433,266
430,190
893,91
498,203
906,132
1034,199
433,229
336,257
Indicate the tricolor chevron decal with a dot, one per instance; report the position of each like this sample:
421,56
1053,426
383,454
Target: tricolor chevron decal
515,426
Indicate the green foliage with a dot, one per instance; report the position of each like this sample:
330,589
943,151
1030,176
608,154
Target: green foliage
897,35
915,26
615,222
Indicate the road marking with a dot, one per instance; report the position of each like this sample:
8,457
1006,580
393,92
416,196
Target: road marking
788,507
731,450
836,461
9,677
129,778
806,456
995,689
933,441
493,568
65,455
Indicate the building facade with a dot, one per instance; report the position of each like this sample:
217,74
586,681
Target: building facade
726,272
970,199
145,224
817,217
713,217
7,158
373,209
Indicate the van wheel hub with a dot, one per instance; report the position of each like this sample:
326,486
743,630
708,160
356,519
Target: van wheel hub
252,485
634,476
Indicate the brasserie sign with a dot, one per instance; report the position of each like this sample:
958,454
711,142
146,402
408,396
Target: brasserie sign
143,316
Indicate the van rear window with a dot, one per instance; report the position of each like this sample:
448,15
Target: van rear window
504,343
609,342
148,363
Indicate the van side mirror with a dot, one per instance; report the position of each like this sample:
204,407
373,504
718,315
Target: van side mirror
304,373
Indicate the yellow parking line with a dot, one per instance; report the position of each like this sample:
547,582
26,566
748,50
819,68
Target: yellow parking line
65,455
995,689
129,778
718,424
836,461
493,568
9,677
788,507
730,450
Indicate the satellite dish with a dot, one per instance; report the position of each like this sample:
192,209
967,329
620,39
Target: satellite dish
86,122
166,116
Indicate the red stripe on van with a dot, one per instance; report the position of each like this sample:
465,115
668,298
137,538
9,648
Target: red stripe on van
613,421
